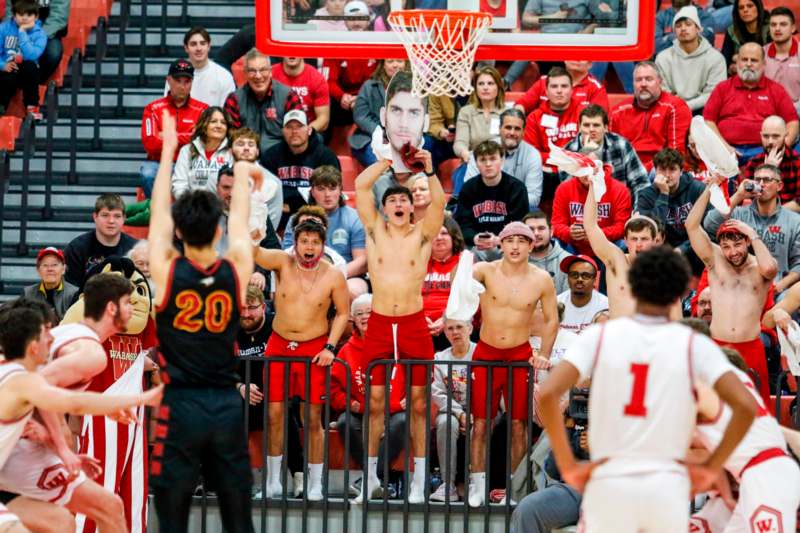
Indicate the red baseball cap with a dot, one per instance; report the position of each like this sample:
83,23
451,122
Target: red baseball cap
567,262
50,250
728,229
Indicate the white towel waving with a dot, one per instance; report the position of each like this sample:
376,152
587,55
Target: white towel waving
465,291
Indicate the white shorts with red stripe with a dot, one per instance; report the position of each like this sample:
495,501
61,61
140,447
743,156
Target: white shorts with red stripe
769,494
35,471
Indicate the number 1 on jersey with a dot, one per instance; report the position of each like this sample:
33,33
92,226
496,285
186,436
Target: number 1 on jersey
636,405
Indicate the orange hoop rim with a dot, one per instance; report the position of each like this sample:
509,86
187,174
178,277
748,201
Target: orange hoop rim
403,16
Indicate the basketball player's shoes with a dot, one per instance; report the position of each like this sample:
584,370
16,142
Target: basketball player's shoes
440,494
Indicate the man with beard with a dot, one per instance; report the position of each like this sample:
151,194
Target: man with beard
306,289
783,59
640,235
653,118
703,310
779,228
546,253
581,301
738,105
521,161
613,149
777,152
739,284
514,289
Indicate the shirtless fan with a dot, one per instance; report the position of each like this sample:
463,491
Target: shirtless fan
441,48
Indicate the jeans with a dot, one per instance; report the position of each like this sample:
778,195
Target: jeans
448,465
516,70
364,155
147,173
721,17
390,446
748,151
552,507
624,72
50,58
26,77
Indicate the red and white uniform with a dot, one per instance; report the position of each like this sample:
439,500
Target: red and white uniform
10,432
641,417
769,480
30,468
121,448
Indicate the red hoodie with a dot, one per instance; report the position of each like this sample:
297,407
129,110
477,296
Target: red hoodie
585,92
353,354
545,125
347,76
663,125
185,118
613,210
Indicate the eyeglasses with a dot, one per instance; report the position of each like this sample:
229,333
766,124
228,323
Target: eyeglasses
252,308
765,179
263,71
585,276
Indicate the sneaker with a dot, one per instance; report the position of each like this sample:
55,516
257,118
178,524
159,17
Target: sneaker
499,496
273,491
416,495
315,494
297,479
34,110
476,495
441,493
375,492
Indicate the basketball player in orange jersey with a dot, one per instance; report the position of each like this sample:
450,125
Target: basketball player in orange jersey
200,424
642,407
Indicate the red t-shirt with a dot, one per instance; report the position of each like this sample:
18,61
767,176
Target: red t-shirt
310,85
436,287
739,111
585,92
499,11
545,125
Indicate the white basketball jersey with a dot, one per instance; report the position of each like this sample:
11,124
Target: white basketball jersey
763,434
642,406
11,430
63,335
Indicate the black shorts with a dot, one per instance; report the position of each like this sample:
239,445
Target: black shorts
7,497
200,430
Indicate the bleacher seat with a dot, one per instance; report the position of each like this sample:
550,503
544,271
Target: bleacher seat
445,172
9,130
137,232
238,72
513,96
614,99
351,168
340,137
785,417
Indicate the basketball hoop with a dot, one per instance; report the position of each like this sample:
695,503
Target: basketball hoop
441,48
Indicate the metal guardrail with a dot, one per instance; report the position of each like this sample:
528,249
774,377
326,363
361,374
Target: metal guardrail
28,134
5,176
51,106
381,508
142,80
124,19
76,77
163,43
101,48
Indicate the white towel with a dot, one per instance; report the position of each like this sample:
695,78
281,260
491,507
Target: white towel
790,347
465,291
579,165
717,158
257,222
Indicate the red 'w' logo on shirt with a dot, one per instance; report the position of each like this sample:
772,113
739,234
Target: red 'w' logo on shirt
774,229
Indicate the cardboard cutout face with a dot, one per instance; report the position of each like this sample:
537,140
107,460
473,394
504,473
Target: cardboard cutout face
141,299
404,118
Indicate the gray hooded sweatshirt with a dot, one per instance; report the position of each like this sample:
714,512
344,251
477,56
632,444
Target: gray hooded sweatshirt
780,231
693,76
552,264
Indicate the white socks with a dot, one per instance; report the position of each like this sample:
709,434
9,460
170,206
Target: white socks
315,482
370,487
477,486
417,492
274,487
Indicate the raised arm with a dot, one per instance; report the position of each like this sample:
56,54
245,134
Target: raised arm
605,250
270,259
161,225
434,216
240,245
780,314
365,203
698,238
767,265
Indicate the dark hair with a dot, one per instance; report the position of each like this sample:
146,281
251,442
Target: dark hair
769,167
488,147
537,213
46,312
203,122
668,158
659,276
312,211
102,289
594,111
512,112
697,324
225,170
739,28
558,72
25,7
782,11
110,201
326,176
310,226
452,227
396,189
18,328
194,31
639,224
196,215
400,83
736,359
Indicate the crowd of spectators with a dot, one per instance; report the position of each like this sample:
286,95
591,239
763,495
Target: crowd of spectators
284,115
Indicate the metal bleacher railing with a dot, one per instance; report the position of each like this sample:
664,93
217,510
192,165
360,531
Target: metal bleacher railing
333,512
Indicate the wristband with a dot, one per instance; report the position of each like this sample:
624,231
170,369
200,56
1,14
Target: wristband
330,347
431,173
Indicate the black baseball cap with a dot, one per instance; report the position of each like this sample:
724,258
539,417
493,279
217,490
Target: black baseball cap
181,67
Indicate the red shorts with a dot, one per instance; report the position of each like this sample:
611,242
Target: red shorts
500,385
278,346
398,337
756,359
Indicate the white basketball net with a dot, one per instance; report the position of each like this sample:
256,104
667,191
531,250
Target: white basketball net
442,54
